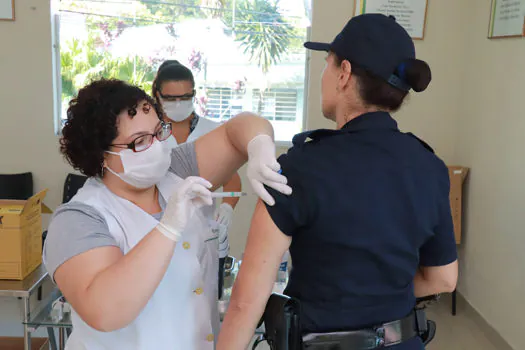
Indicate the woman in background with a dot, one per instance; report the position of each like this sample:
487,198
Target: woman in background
174,89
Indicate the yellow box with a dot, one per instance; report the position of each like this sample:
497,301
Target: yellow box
21,236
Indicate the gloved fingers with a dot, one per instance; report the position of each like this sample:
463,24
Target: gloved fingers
200,202
198,180
222,219
260,191
279,187
199,194
224,214
223,239
275,166
223,230
271,175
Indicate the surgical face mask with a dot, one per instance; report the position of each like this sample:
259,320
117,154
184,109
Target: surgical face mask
171,142
178,110
144,169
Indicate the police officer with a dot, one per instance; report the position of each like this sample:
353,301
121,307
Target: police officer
368,224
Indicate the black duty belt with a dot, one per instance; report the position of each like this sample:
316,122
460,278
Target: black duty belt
283,330
386,335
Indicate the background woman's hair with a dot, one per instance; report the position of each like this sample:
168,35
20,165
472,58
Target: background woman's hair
375,91
91,124
171,70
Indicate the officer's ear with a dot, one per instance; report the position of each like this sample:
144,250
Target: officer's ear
345,74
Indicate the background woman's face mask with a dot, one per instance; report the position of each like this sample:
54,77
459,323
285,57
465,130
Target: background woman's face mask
178,110
144,169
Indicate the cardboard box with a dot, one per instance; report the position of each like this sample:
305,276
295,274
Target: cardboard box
21,236
457,176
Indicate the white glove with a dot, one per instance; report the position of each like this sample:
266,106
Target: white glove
224,221
224,243
263,168
224,215
190,195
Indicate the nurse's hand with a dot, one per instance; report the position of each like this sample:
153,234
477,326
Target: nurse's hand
263,168
191,194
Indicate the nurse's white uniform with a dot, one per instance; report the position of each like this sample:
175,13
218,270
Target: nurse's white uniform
203,127
182,313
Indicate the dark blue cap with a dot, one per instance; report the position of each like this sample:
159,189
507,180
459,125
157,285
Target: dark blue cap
376,43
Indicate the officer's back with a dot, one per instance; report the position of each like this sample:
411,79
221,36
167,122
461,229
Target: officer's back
372,196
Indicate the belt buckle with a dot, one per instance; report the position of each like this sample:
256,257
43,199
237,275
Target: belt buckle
380,336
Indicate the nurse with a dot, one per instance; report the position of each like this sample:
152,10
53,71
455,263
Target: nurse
174,89
368,225
132,252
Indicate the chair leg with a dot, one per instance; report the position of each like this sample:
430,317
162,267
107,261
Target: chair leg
454,303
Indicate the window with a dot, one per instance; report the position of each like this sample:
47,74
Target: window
276,104
244,54
218,104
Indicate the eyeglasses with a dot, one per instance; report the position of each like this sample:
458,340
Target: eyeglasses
143,142
170,98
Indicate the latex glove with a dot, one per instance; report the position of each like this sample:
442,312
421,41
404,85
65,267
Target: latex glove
263,168
224,219
190,195
224,243
224,215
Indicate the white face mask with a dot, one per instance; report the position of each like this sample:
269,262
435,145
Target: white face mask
178,110
144,169
171,142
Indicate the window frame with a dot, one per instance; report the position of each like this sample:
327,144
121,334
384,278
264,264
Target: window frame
57,79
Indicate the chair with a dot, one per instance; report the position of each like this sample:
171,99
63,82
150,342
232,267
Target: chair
16,186
71,186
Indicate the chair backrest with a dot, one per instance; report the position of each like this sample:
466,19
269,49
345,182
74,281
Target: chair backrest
16,186
72,184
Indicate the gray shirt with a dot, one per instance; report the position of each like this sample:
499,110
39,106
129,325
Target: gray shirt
76,228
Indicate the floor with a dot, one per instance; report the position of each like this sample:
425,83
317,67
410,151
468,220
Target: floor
460,332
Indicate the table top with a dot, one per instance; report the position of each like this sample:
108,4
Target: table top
25,287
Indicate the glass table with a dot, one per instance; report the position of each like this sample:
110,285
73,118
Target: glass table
42,316
24,290
45,318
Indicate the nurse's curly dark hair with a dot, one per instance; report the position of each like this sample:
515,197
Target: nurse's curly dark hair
91,124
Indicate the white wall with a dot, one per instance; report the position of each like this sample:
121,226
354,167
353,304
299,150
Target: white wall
491,140
27,140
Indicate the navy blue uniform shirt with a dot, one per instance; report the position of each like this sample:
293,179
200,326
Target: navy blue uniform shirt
369,205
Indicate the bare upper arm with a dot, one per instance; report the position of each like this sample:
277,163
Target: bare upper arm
217,158
445,276
264,250
76,275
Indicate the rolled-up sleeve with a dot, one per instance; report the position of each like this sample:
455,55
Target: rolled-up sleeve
74,229
184,160
290,213
440,249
